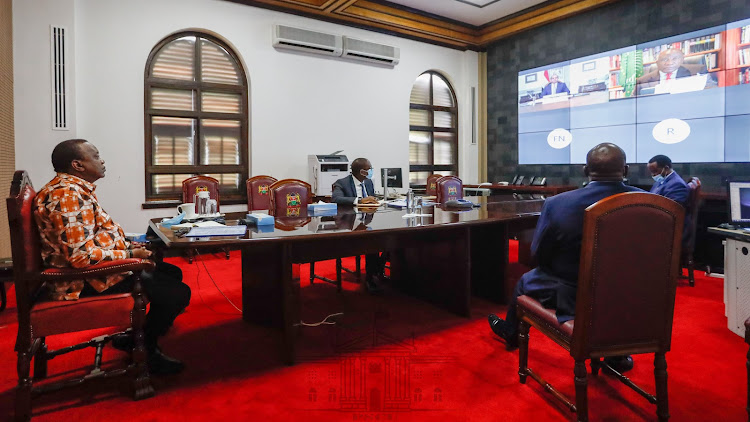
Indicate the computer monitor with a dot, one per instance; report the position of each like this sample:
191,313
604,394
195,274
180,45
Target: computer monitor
392,176
739,203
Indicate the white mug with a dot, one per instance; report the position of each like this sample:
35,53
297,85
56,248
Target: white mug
189,210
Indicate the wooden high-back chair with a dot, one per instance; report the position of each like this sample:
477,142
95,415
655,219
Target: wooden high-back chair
630,260
449,188
191,187
195,184
39,319
259,192
431,187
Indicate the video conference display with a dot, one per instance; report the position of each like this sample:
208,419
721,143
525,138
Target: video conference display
686,96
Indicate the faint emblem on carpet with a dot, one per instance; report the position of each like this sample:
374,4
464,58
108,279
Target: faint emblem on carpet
375,377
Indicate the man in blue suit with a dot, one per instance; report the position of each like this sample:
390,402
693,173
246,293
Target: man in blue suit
666,181
357,189
557,245
554,86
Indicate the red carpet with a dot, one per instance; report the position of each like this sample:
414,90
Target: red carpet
436,366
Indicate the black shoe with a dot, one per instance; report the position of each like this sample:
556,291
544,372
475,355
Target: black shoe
161,364
504,330
620,364
373,285
123,342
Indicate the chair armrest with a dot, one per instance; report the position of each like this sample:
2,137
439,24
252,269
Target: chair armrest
98,270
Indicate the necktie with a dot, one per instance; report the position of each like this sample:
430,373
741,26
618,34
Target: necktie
669,76
364,194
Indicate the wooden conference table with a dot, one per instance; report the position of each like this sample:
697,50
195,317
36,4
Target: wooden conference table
442,259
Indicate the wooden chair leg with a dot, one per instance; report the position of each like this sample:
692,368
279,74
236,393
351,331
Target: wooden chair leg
523,350
596,364
338,274
660,374
691,269
3,296
40,361
582,401
312,273
226,251
23,393
142,387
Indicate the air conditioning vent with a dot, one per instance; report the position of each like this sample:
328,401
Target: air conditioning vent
291,38
370,52
58,61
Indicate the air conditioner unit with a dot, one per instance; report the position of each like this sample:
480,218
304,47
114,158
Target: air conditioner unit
305,40
370,52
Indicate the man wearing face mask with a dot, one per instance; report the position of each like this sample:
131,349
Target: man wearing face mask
667,182
354,190
357,188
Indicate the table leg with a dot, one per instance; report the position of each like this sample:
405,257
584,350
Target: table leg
270,292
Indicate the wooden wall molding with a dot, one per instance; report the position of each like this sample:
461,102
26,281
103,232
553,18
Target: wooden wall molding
398,20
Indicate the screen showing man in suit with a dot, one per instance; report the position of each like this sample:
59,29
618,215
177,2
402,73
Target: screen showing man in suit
670,67
555,86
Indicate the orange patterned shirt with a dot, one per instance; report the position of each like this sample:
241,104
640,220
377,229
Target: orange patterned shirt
77,232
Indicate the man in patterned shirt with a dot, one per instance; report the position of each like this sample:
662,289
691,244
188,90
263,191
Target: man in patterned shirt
77,232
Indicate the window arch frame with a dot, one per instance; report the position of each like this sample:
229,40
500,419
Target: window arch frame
199,86
431,167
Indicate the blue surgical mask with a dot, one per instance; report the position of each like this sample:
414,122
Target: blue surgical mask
370,173
658,178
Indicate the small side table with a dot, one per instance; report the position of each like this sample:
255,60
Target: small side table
6,274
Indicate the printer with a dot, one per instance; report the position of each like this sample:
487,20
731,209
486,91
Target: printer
324,170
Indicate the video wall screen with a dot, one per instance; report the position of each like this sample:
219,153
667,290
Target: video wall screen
686,96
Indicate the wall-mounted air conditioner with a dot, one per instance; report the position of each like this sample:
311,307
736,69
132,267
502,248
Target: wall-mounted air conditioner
370,52
305,40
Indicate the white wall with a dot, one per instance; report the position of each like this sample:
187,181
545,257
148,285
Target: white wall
32,80
299,104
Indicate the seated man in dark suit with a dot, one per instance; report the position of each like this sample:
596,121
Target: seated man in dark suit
557,245
357,189
555,86
667,182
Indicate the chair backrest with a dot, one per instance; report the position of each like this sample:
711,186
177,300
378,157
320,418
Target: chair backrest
259,192
431,189
289,198
691,216
195,184
630,257
25,242
448,188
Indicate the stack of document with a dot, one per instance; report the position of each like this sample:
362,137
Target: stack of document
210,228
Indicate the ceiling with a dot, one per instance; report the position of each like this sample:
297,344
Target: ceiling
460,24
472,12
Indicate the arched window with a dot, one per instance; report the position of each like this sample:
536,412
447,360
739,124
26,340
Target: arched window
195,116
433,129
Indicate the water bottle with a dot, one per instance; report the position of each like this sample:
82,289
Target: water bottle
410,201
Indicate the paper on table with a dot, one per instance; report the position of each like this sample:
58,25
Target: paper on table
197,224
218,230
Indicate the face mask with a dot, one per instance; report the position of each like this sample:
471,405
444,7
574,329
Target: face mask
369,174
658,178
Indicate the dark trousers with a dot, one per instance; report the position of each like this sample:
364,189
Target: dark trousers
166,293
544,295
